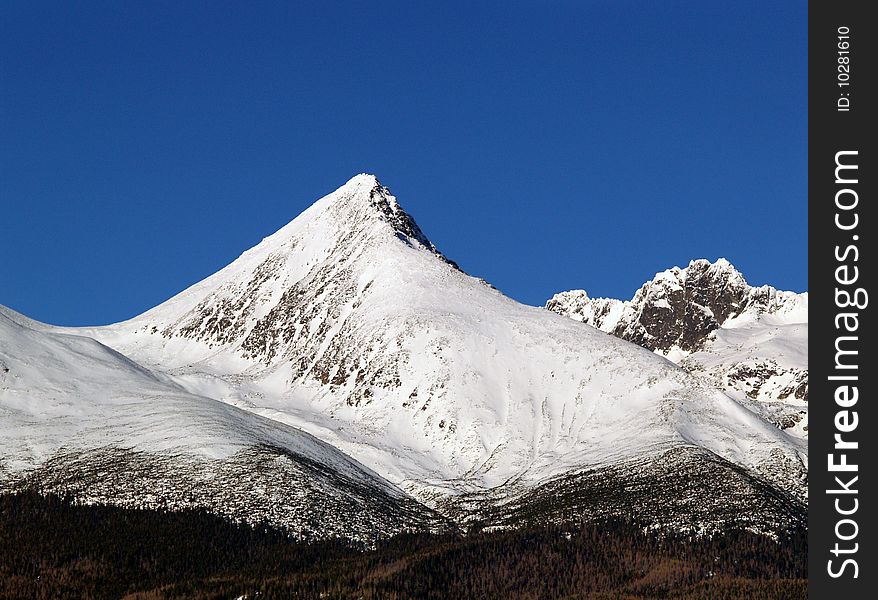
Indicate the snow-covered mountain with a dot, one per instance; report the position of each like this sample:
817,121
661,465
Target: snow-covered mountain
749,341
348,324
78,417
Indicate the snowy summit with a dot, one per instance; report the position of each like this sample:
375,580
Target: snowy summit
348,333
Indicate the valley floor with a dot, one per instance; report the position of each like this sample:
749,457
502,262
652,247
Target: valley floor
52,548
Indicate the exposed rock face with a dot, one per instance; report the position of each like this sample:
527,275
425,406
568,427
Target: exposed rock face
764,379
749,341
679,308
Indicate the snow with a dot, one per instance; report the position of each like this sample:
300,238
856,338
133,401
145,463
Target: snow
768,343
62,391
347,325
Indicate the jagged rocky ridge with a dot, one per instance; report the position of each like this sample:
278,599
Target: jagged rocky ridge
749,341
347,327
679,308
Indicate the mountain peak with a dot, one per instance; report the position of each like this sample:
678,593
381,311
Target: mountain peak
720,268
362,179
344,323
359,188
363,197
678,308
265,302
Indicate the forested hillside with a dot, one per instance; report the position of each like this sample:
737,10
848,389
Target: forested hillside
51,548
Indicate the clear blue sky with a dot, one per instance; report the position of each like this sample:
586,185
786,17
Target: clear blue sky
543,146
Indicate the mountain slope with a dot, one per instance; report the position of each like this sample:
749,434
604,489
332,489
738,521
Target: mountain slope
349,323
751,342
80,418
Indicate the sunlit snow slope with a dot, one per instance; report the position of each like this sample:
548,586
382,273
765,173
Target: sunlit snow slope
77,417
350,324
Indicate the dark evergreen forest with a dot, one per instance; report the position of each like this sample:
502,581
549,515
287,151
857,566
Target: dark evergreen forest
53,548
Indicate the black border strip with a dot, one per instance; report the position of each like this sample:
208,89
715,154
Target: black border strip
841,107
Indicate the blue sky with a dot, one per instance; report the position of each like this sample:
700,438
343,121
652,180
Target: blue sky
543,146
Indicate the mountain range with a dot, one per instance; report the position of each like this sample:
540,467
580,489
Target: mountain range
344,378
750,342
